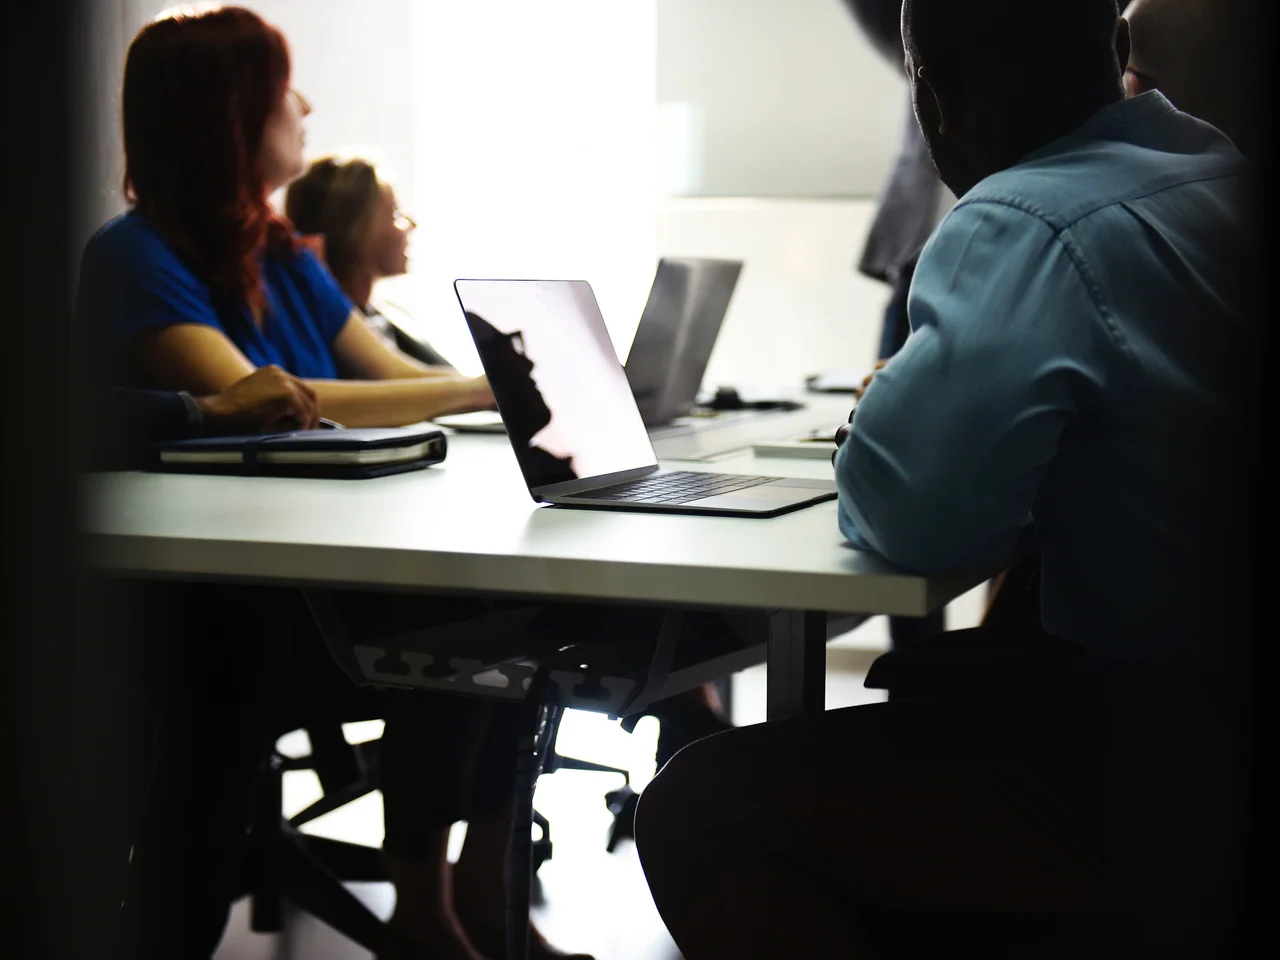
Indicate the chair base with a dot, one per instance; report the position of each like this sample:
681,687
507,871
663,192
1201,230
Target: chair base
302,870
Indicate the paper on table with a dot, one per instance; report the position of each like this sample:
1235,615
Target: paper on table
796,449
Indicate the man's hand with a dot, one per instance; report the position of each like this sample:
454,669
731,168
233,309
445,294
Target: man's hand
859,392
842,434
267,401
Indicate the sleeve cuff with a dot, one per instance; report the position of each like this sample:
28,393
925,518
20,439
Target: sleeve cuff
850,529
195,419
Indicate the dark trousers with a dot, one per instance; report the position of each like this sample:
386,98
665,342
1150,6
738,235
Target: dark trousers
772,840
1108,823
209,661
224,672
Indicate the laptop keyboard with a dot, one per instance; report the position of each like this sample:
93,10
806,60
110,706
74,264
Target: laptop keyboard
681,486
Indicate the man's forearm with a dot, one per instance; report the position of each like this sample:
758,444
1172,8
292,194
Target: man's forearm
148,416
123,422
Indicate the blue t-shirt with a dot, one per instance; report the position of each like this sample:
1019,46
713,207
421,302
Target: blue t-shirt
1075,373
131,279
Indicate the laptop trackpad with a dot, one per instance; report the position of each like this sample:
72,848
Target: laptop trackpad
764,497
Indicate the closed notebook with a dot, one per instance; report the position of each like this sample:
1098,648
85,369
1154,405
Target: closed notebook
341,454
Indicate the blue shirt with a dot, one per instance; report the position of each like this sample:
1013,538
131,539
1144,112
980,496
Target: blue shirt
1077,338
132,279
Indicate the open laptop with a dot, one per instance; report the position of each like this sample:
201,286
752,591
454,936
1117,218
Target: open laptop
677,331
571,417
672,346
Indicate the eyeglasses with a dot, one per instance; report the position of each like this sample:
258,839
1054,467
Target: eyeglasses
402,220
496,344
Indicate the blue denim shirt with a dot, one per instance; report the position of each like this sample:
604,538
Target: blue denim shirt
1076,334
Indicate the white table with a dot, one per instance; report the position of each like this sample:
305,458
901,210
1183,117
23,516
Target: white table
469,527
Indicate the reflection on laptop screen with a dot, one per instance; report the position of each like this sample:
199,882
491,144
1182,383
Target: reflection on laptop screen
561,391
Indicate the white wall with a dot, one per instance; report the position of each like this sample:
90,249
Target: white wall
535,154
791,99
110,26
799,307
354,63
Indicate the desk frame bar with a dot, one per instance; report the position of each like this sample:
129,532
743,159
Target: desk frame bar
797,664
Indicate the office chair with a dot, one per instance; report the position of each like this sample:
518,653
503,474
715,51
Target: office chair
284,863
622,801
513,635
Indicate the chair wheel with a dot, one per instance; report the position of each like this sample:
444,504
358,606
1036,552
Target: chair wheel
541,854
622,804
266,913
618,800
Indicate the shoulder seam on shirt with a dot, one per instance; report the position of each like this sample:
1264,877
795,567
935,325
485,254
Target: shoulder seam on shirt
1013,204
1224,169
1074,254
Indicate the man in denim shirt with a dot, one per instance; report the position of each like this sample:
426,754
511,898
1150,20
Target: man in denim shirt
1073,372
1075,382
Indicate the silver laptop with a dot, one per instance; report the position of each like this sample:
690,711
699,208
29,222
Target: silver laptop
571,417
672,346
669,356
677,331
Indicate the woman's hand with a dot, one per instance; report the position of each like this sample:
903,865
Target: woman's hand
475,395
484,394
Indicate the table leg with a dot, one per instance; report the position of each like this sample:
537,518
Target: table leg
797,663
724,687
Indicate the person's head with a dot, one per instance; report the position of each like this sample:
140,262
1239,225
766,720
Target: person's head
366,237
510,371
211,128
1197,53
993,80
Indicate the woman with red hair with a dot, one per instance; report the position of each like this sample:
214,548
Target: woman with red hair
201,282
190,290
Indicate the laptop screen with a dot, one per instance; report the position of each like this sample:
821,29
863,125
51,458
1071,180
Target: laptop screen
677,332
562,393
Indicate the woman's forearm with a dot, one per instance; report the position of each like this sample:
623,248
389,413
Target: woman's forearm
437,372
395,403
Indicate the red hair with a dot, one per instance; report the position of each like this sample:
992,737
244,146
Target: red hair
198,91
